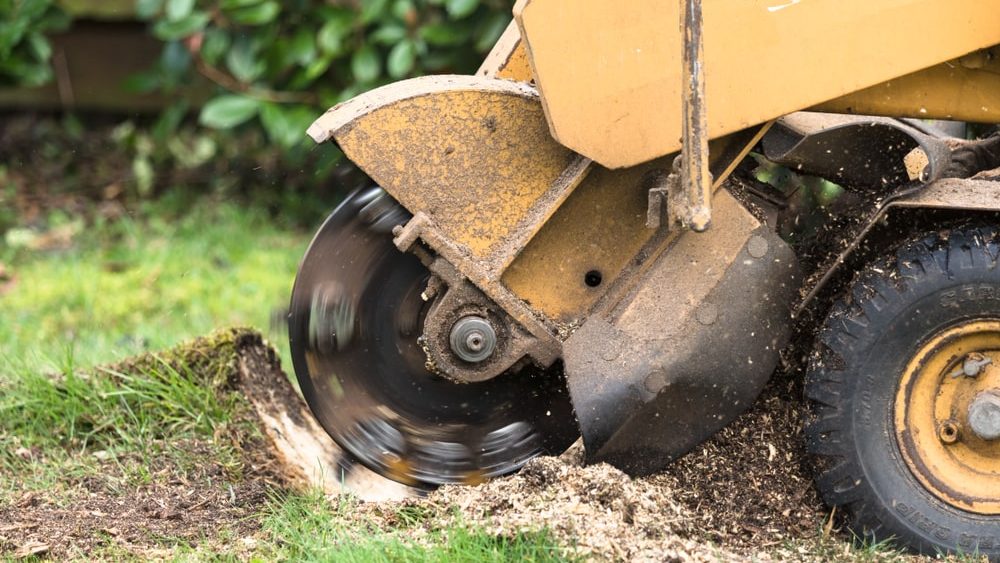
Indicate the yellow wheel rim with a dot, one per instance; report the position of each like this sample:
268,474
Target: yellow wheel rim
932,416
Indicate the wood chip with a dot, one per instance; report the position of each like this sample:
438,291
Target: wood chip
31,548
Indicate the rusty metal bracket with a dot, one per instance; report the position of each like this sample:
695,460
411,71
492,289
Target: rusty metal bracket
524,333
724,155
461,299
662,186
684,195
658,201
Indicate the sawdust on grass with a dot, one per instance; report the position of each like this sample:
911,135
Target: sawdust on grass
745,493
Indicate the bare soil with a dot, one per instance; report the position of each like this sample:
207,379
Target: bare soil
177,506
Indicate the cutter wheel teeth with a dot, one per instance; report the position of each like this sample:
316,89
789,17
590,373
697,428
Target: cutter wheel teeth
355,321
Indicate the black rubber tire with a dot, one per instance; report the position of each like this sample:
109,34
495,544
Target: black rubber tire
862,350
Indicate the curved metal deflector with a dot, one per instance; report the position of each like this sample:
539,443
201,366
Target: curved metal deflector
855,151
689,350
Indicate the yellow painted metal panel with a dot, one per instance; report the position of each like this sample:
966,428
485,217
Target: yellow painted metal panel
954,90
508,59
472,154
600,228
609,73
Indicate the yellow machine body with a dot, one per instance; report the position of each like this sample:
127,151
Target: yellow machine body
565,130
611,81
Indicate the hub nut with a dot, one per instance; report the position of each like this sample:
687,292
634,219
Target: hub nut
473,339
984,415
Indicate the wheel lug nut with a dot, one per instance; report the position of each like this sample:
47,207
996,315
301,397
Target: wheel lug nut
972,366
949,431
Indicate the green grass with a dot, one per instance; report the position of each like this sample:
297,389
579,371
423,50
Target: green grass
122,288
136,285
309,527
145,409
110,409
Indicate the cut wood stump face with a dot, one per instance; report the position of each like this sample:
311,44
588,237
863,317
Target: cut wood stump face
307,455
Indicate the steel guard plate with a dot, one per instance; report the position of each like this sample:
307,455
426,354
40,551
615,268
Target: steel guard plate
690,348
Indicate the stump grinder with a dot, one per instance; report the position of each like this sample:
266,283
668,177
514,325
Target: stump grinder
581,240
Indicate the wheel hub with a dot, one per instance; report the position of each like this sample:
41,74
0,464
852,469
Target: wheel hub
947,416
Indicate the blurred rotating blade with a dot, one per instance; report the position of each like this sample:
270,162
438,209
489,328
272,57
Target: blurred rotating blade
354,321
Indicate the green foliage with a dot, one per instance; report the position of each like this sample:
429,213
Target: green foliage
275,66
24,50
228,111
279,64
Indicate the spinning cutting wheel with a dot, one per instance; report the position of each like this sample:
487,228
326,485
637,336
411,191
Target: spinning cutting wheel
355,324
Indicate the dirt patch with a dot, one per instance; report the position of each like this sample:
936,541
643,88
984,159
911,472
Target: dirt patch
176,506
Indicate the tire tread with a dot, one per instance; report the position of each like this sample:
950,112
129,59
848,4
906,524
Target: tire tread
852,322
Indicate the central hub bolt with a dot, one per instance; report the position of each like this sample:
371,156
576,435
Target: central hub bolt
984,415
473,339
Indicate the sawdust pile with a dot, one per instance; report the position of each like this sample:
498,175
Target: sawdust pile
598,510
745,493
747,489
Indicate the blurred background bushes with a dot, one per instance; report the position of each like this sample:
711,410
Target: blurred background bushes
155,176
215,96
279,63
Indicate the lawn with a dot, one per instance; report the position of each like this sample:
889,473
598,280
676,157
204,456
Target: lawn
102,292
